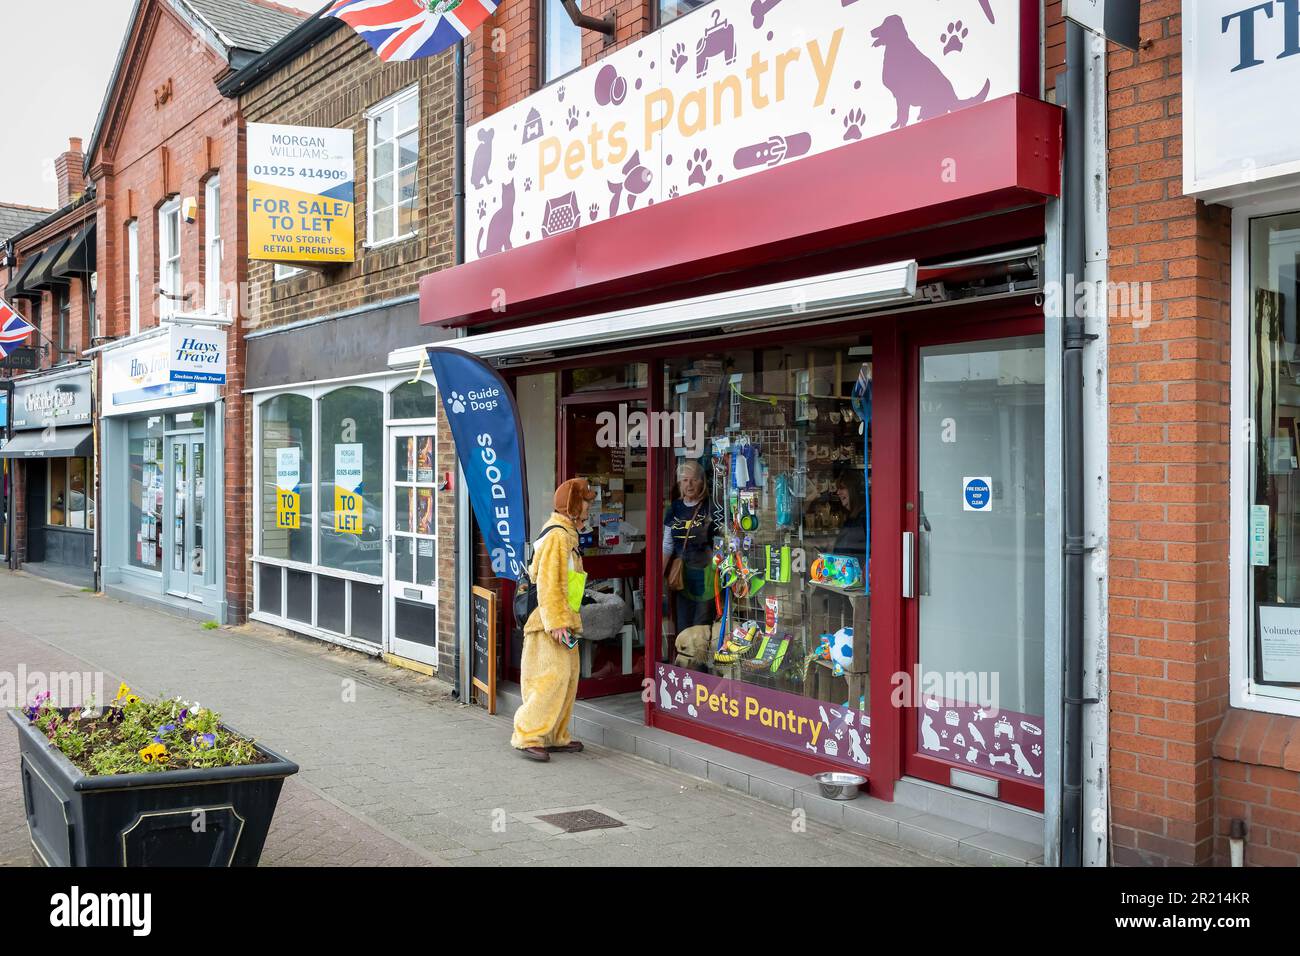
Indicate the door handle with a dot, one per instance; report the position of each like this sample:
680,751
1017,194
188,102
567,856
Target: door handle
923,569
909,564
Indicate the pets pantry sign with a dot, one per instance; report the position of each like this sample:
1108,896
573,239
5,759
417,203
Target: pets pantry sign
732,89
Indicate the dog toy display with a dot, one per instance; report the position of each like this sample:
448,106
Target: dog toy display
836,570
836,649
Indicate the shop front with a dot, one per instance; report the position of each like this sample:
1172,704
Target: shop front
815,397
163,439
50,474
354,501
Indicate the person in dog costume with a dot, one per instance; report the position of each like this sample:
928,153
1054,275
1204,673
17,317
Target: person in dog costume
549,668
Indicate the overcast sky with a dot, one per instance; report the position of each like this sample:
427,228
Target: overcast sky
57,57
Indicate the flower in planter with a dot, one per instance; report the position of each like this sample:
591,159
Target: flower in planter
154,753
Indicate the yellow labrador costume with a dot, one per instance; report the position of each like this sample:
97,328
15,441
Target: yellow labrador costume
549,669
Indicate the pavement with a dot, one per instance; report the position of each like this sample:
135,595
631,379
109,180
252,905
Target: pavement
394,772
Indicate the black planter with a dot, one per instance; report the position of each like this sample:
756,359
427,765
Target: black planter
146,819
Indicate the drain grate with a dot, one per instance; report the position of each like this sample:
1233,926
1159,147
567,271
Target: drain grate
580,821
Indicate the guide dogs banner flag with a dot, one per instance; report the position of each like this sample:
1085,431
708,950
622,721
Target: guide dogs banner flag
485,425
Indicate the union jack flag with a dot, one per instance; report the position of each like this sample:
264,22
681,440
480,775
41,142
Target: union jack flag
411,29
14,329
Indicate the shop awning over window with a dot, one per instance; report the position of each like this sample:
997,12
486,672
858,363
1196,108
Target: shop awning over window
78,256
17,289
42,278
69,442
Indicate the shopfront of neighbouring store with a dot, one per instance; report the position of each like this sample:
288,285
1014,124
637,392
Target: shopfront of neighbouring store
50,472
163,440
825,386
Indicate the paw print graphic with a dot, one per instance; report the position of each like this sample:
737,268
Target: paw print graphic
853,123
458,403
674,192
528,184
511,161
594,211
1036,750
560,92
482,208
679,57
698,166
954,38
572,121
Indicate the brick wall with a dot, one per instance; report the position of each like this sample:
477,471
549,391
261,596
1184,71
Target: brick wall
333,84
1169,462
167,132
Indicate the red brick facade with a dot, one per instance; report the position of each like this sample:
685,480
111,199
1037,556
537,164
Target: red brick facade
333,83
167,130
1183,763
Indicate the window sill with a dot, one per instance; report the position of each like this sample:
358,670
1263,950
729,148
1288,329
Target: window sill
1251,737
370,246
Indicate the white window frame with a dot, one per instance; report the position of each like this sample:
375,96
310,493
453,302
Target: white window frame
1243,692
544,35
169,261
133,274
385,383
213,249
372,116
282,272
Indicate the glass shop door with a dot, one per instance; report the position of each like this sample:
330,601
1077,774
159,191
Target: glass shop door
973,539
413,545
599,441
185,548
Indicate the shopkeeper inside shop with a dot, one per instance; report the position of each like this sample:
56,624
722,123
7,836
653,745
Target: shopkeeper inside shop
688,549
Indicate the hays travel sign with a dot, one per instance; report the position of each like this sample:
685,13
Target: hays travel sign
732,89
1241,70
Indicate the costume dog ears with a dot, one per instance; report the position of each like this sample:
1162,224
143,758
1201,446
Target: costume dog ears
570,495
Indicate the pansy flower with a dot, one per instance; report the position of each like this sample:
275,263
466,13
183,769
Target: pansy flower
122,691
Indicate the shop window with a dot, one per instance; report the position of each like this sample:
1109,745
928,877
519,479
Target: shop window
282,272
70,504
331,604
670,10
171,286
765,529
415,400
133,273
1273,522
270,581
351,480
367,611
212,244
394,152
62,319
286,479
145,480
297,595
561,42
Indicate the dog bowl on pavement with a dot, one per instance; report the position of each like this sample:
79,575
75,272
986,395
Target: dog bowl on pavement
839,786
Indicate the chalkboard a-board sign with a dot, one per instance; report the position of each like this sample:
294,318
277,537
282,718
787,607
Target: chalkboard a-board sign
484,675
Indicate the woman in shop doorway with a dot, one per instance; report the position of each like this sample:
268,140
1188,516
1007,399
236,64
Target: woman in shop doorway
550,665
852,539
688,549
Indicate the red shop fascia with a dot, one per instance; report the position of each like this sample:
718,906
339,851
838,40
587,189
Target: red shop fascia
886,198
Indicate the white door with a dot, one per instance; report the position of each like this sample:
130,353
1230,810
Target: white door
412,535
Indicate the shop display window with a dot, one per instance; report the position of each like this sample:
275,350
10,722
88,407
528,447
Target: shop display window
1273,522
415,400
351,482
765,538
70,504
670,10
287,464
145,463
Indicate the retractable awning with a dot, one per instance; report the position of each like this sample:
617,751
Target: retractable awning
72,442
42,277
78,256
18,289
